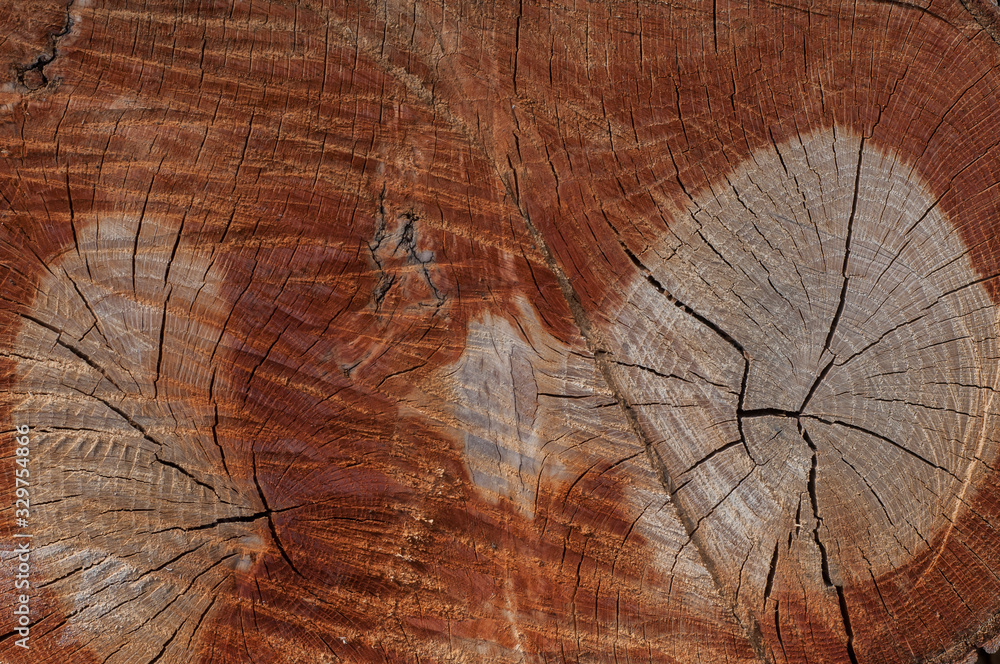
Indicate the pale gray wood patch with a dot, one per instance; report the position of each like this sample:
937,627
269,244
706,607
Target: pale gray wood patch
116,350
813,358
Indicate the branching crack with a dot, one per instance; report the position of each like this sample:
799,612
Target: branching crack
98,368
824,559
406,243
601,356
721,333
798,415
268,512
32,76
814,501
835,321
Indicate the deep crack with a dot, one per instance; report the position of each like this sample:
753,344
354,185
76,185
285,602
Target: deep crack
268,512
32,76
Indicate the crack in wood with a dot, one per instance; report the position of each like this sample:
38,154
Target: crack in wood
268,513
747,623
32,76
406,240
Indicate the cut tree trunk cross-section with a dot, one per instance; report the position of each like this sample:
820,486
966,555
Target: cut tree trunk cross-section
518,332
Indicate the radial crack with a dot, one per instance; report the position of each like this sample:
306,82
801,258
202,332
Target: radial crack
835,321
886,439
270,521
721,333
814,501
183,471
747,622
846,617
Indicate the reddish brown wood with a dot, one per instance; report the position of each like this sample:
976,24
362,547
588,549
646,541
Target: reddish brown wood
325,319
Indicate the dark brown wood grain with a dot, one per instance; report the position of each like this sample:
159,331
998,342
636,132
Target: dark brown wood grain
462,332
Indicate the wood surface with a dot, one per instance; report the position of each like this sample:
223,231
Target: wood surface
519,332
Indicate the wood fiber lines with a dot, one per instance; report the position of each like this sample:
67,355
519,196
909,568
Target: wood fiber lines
518,332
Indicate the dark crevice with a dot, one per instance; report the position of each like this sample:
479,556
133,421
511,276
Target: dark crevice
215,438
974,282
173,560
215,425
712,454
651,370
228,519
159,350
517,44
835,321
65,576
884,335
400,373
819,379
721,333
814,500
681,305
798,522
201,619
870,488
846,616
407,242
268,512
887,440
769,412
777,628
824,557
167,643
917,404
712,509
281,548
798,415
32,76
72,213
771,573
739,405
182,471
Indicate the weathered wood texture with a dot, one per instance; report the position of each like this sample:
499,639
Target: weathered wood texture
461,332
